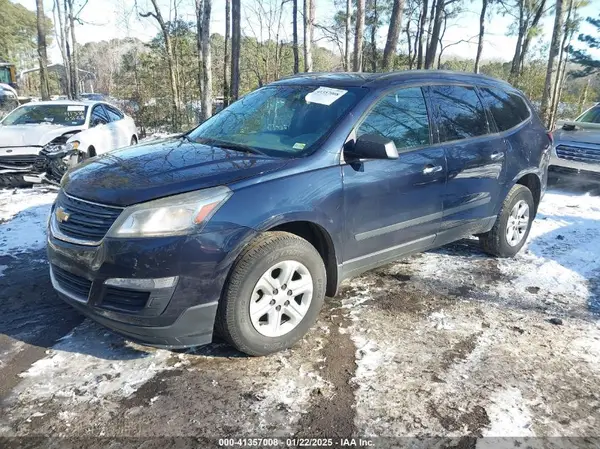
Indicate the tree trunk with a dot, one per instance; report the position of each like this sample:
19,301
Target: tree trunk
203,9
236,35
63,46
170,62
583,97
42,51
551,69
529,36
74,53
430,25
562,61
435,34
348,25
393,34
514,66
421,33
410,49
481,34
358,36
373,43
227,59
308,8
295,35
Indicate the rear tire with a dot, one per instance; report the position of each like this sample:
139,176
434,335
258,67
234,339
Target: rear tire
239,318
500,241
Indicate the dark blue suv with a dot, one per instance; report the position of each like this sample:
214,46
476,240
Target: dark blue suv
243,225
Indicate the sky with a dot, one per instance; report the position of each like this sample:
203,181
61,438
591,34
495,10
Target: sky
107,19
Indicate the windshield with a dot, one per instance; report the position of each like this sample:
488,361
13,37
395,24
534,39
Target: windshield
590,116
280,120
53,114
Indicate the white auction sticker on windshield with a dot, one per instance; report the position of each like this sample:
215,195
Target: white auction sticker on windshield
324,95
75,108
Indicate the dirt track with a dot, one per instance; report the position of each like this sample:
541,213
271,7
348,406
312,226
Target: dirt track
451,343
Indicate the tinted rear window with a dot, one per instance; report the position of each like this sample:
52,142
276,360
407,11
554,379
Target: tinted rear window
460,112
507,109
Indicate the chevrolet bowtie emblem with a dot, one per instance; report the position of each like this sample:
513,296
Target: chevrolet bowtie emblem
61,214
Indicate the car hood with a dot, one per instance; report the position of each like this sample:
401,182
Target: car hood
162,168
585,133
32,135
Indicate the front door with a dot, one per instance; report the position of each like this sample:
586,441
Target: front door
393,207
476,159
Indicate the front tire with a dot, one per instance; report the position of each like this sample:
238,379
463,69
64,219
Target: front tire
512,225
273,295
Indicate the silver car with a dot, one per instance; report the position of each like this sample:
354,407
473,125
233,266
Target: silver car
576,147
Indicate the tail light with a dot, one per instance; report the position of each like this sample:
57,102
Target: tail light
550,137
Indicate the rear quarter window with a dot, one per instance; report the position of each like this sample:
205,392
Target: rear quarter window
508,109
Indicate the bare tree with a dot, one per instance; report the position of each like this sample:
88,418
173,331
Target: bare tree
438,18
358,35
393,34
69,5
157,15
553,62
236,34
295,35
62,37
203,9
527,17
309,11
421,34
227,58
42,51
484,5
347,34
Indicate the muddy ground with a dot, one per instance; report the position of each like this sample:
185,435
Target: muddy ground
451,343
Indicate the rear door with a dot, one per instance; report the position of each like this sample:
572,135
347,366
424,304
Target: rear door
120,137
476,159
393,206
98,134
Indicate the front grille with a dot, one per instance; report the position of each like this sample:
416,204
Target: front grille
86,221
19,161
578,154
121,299
71,282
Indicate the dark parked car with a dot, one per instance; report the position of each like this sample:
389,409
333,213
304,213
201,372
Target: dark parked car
244,224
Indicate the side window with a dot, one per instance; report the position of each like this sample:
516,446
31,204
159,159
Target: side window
113,114
507,109
400,116
460,112
98,113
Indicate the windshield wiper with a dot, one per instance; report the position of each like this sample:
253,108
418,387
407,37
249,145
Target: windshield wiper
230,146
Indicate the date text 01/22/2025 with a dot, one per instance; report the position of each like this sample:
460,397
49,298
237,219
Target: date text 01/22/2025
295,442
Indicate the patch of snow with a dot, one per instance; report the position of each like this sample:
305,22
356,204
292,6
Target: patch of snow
509,415
85,367
23,218
439,320
2,268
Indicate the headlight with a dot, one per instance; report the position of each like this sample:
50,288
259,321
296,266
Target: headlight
175,215
73,145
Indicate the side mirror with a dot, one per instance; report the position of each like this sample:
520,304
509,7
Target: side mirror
374,146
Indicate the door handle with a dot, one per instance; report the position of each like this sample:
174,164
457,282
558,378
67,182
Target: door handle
497,156
430,169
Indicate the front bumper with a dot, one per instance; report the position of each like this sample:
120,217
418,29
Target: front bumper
158,291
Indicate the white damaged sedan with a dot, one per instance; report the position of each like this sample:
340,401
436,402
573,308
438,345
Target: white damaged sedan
91,127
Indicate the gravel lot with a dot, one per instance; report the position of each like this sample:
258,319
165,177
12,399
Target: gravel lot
450,343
